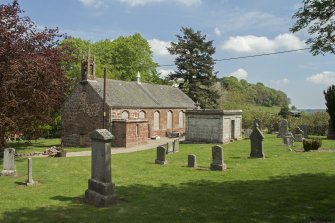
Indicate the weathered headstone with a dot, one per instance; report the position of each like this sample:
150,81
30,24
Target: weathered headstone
191,161
9,166
30,181
283,128
100,190
288,139
169,147
246,133
298,135
176,146
259,123
304,128
161,155
256,140
217,159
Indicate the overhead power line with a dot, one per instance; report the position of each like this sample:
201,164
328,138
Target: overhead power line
244,57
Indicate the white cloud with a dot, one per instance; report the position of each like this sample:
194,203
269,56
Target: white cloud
134,3
326,78
262,44
240,74
159,47
94,3
283,81
164,73
217,31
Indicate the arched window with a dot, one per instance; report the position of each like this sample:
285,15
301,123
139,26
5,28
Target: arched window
141,115
181,119
125,115
156,120
169,120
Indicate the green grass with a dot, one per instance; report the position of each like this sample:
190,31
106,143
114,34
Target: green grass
25,147
284,187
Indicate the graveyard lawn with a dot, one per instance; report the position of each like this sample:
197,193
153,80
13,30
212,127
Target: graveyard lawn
286,186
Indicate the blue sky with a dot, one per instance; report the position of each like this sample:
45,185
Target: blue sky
238,28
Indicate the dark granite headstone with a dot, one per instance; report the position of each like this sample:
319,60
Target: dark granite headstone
256,141
191,161
217,159
161,155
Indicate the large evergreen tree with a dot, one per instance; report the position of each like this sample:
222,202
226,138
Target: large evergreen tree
330,103
195,66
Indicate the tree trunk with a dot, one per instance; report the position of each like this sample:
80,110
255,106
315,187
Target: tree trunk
2,141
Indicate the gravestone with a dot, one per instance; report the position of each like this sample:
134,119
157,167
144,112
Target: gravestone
176,146
298,135
256,141
192,161
217,159
169,147
283,128
161,155
288,139
100,190
30,181
304,128
246,133
9,167
259,123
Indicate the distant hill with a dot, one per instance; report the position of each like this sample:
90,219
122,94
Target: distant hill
312,110
240,92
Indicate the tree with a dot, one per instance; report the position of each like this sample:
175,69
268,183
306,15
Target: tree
284,111
123,57
330,103
318,16
195,66
32,81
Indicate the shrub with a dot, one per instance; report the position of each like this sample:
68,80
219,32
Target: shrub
312,144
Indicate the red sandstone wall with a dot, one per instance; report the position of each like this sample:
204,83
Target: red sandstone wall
134,114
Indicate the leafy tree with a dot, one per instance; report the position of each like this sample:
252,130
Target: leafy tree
284,111
195,65
32,81
318,17
330,103
123,57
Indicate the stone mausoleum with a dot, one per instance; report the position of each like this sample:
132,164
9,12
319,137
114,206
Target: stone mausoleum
213,126
135,111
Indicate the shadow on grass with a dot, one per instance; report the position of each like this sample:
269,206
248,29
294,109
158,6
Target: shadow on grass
299,198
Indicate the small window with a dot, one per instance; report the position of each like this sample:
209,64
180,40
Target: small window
137,130
181,119
156,120
141,115
169,120
125,115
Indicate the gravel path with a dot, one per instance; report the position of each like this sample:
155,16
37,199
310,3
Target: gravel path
150,145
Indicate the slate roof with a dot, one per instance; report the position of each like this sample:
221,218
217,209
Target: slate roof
123,94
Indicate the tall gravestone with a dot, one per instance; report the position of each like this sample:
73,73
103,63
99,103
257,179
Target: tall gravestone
30,181
161,155
176,145
9,166
256,141
283,128
217,159
304,128
100,190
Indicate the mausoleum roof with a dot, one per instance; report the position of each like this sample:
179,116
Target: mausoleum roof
126,94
